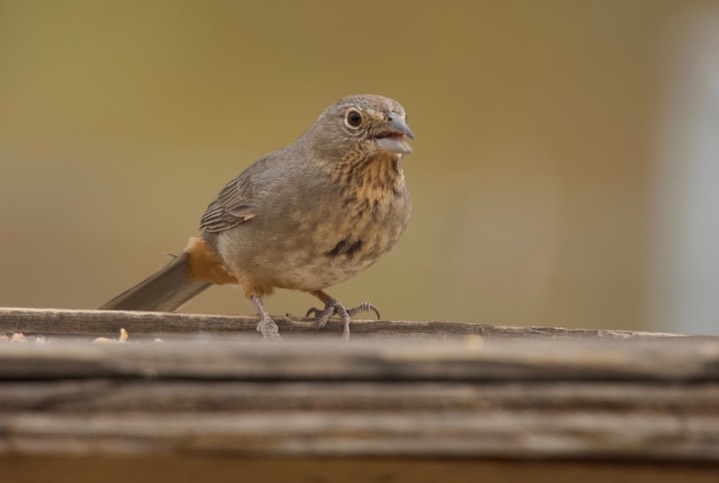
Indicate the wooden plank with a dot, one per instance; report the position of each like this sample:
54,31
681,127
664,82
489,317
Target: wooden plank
448,392
157,396
472,358
221,468
63,322
489,434
606,421
643,399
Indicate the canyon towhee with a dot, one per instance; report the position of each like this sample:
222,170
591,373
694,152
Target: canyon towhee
305,217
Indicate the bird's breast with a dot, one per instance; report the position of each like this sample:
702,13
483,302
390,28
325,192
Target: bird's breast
324,232
354,230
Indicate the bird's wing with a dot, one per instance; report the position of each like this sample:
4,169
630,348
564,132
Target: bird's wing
229,209
235,204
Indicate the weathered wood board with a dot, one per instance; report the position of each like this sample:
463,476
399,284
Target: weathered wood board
399,392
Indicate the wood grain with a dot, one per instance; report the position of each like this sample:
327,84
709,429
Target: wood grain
405,390
64,322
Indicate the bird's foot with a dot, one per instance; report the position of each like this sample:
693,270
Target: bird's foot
335,307
267,327
269,330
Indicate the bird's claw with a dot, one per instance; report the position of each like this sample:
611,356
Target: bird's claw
364,307
269,330
334,307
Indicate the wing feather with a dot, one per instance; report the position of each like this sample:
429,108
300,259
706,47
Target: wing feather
235,204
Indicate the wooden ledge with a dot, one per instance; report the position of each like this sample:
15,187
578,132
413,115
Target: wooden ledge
64,322
429,390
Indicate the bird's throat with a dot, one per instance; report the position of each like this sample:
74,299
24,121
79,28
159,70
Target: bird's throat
376,178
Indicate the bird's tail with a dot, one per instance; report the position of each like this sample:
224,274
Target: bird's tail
165,291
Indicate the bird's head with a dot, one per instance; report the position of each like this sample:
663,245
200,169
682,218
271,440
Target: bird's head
362,125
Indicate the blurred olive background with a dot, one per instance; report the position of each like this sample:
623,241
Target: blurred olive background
565,168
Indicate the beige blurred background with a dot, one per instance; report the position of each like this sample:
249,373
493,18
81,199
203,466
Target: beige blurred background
565,172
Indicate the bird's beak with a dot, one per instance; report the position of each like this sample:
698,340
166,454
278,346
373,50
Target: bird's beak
393,135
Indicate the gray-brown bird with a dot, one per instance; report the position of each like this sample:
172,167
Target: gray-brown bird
305,217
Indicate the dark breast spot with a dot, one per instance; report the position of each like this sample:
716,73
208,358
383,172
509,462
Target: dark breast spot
345,247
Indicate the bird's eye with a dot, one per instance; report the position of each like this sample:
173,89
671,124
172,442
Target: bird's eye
353,119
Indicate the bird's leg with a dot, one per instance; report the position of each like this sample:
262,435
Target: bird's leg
335,307
267,327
